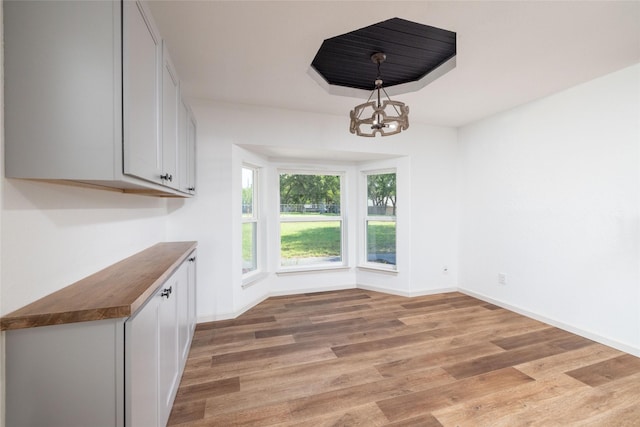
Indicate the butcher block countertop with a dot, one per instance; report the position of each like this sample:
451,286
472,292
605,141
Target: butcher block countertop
115,292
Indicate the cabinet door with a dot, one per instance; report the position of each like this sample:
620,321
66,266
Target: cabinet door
191,151
186,149
62,89
170,102
141,366
168,373
142,62
192,292
184,335
186,307
65,375
183,156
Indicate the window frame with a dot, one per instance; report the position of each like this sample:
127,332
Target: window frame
366,218
253,219
342,219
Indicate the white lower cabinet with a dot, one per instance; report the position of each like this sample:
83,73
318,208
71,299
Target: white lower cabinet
192,297
168,368
68,375
141,366
186,309
157,337
114,372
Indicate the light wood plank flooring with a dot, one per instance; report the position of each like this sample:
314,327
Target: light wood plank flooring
361,358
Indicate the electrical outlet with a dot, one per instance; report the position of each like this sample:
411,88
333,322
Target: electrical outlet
502,278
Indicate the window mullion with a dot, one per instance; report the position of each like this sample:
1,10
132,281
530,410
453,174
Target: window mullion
311,219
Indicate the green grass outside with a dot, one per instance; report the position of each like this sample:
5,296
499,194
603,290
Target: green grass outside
247,241
381,237
310,239
322,239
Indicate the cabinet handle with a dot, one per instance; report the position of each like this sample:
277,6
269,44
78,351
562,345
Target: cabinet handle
167,177
166,292
192,259
191,189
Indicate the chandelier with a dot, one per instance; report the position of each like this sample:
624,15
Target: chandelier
377,116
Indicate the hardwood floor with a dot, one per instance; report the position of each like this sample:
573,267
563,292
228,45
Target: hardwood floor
361,358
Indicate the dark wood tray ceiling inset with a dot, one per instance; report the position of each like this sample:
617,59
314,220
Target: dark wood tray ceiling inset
413,50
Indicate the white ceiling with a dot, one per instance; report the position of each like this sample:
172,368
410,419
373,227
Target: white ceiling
509,53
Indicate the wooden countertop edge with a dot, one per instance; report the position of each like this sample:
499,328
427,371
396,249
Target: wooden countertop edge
139,302
15,320
37,320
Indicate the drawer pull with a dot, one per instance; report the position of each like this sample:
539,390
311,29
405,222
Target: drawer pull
166,292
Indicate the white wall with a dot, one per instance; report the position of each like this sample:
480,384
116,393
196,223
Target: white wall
54,235
550,197
427,158
435,202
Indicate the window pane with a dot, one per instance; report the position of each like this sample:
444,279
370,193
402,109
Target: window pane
247,192
307,243
381,242
302,194
381,194
249,261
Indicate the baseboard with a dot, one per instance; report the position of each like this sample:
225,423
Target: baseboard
232,315
249,306
383,290
421,293
311,290
409,294
558,324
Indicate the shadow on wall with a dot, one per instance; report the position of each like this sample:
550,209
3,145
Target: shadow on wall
28,195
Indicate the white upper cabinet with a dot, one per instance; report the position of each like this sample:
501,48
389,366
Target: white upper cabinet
90,97
62,89
142,53
192,127
186,148
170,103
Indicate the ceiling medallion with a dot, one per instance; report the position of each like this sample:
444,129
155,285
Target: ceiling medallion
377,116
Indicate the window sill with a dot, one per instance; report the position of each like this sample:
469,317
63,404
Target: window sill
374,269
316,269
253,278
